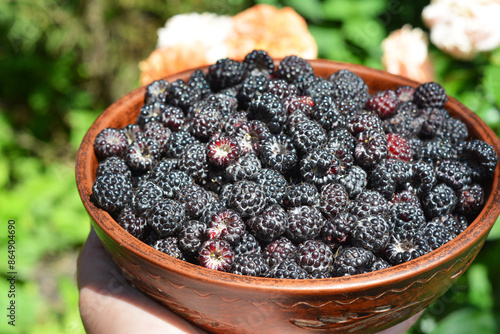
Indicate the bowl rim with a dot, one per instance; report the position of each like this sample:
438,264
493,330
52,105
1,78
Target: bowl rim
477,230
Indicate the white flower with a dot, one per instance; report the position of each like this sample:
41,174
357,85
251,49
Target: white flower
463,28
405,53
207,31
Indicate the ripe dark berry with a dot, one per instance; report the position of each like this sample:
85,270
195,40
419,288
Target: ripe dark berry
352,261
193,161
279,153
371,233
250,265
258,62
250,136
390,175
112,192
371,148
145,196
481,156
440,200
113,165
406,246
301,194
216,255
222,151
132,222
354,180
195,200
166,217
288,270
157,91
334,199
169,246
280,250
225,73
369,202
308,136
248,244
304,222
142,155
226,225
406,216
293,69
172,118
245,167
315,256
430,94
454,173
273,183
110,142
470,200
338,229
173,182
270,224
191,236
248,198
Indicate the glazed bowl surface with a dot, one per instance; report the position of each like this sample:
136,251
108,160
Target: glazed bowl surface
222,302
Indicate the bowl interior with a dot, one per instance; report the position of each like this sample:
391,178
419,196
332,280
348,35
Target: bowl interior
125,111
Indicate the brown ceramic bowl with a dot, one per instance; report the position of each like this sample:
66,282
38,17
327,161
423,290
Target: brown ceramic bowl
227,303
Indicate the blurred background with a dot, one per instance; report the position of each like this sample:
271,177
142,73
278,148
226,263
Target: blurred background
63,61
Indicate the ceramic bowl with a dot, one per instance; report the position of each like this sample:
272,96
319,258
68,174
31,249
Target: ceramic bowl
221,302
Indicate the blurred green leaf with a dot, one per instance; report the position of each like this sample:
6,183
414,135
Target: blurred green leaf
366,33
311,9
345,10
491,82
480,291
467,321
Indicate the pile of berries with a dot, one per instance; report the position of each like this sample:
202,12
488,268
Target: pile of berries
272,171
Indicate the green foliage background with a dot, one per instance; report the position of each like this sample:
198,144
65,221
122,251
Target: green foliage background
63,61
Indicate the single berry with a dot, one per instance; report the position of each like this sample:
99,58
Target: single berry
144,196
440,200
301,194
352,261
250,265
383,103
222,151
270,224
280,250
112,192
454,173
470,200
293,69
142,155
406,246
430,94
245,167
304,222
110,142
339,229
315,256
216,255
225,73
169,246
248,198
132,222
398,147
226,225
368,203
334,199
157,91
287,269
166,217
191,236
371,233
279,153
